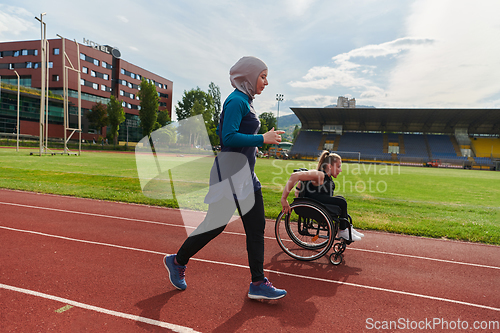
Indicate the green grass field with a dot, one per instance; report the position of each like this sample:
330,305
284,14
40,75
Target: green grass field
445,203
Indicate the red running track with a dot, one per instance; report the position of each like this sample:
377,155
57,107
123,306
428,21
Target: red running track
70,264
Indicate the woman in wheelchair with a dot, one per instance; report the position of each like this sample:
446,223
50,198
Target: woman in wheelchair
318,185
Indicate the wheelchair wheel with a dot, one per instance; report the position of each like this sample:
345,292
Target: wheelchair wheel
307,233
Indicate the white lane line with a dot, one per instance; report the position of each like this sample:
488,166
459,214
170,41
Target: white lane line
426,258
273,271
80,240
239,234
173,327
90,214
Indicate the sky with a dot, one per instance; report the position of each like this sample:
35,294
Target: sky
383,53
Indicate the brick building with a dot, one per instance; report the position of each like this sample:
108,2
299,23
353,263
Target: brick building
103,73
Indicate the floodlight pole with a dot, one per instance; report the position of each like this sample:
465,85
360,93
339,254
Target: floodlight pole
65,93
279,98
47,97
66,69
42,78
17,127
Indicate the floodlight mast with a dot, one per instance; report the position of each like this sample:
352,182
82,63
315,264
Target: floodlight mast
279,98
43,29
66,69
17,127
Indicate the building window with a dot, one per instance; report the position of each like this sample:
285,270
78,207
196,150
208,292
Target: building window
16,53
92,73
85,70
36,52
51,64
55,77
95,86
130,85
138,77
129,105
96,62
11,66
29,64
104,64
122,71
24,52
82,82
122,93
105,76
103,87
56,51
82,56
132,75
124,104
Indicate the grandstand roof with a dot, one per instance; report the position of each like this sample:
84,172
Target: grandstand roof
477,121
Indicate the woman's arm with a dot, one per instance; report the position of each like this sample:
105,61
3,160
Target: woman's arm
234,113
236,110
315,176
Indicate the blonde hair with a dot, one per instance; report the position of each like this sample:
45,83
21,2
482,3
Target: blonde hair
327,158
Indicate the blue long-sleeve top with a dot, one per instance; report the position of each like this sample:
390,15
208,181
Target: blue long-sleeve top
240,126
238,129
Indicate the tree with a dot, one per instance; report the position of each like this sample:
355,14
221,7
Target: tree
295,133
184,107
97,116
270,120
148,113
263,129
267,122
189,129
214,92
195,102
163,118
116,116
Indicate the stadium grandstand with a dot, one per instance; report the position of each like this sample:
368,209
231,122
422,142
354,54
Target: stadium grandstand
460,138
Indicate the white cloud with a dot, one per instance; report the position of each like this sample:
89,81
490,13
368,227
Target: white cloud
351,71
315,100
122,18
449,58
297,8
14,20
461,68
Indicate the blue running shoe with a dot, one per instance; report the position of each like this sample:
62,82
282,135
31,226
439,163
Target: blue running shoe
176,273
265,291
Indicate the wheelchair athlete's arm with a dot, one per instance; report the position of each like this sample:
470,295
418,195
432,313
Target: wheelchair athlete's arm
317,178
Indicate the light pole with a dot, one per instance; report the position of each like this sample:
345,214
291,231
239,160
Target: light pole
279,98
17,127
43,38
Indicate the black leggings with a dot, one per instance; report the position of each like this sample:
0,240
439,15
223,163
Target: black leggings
337,200
254,223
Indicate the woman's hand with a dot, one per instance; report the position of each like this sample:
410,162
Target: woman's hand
285,205
273,137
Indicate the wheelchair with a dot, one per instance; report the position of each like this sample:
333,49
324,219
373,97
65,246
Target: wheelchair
309,231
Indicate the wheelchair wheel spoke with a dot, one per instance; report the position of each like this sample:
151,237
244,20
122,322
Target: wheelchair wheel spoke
304,238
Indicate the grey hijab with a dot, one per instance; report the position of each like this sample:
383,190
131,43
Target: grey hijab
244,74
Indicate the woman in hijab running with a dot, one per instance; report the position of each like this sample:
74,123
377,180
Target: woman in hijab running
238,128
